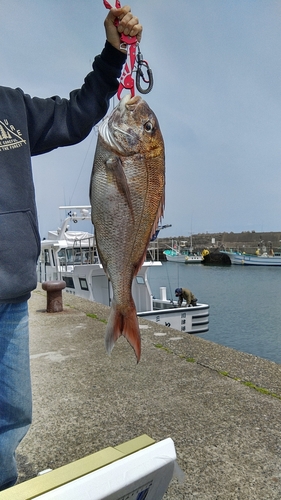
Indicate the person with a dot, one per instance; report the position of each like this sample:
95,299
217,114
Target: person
185,294
32,126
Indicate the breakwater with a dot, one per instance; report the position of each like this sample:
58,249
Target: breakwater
246,241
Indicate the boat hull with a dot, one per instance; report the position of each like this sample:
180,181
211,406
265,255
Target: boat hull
173,256
193,319
238,258
193,259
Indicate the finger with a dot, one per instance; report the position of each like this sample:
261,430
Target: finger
123,11
120,13
136,30
131,28
128,23
126,19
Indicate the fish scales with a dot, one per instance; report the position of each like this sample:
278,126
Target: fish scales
127,199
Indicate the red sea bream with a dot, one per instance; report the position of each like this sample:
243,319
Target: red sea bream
127,197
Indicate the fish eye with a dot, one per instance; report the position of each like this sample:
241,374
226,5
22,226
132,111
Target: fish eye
148,126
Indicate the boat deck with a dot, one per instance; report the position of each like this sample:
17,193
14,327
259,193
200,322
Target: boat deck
227,434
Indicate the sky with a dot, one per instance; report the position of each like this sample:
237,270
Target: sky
217,96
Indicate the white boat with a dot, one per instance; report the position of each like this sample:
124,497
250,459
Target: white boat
174,256
247,259
179,253
187,258
71,256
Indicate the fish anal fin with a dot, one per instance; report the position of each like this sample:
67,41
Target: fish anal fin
153,231
141,261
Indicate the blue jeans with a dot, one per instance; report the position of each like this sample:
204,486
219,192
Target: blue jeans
15,387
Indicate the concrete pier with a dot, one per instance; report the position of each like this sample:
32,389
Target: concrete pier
222,408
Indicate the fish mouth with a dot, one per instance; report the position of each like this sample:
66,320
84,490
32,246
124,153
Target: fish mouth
129,102
108,131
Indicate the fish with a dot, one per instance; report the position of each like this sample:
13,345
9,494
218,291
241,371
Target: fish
127,196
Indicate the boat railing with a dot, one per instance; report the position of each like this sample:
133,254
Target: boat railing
83,251
159,304
153,250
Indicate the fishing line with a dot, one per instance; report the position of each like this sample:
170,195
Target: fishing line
178,275
94,134
83,164
189,283
169,282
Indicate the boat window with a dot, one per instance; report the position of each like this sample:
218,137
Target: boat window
53,258
68,281
74,256
46,257
77,256
83,284
62,257
69,256
140,280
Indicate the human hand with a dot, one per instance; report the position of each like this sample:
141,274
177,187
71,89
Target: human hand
128,24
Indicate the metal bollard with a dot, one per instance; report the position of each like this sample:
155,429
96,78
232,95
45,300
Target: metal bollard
54,295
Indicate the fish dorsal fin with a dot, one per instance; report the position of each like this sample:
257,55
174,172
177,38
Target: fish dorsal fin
115,167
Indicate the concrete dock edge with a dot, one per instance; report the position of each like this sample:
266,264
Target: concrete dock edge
221,407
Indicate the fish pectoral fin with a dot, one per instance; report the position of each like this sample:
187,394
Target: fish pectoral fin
123,324
115,168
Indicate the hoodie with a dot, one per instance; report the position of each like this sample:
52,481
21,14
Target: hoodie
33,126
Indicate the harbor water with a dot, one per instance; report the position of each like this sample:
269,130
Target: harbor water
245,303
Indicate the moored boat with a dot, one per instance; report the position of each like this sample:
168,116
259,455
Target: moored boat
246,259
174,256
186,257
179,253
72,256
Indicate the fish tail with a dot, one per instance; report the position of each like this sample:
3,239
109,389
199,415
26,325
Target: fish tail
123,324
114,327
131,331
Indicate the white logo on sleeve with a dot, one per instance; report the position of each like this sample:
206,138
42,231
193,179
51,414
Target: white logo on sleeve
10,137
